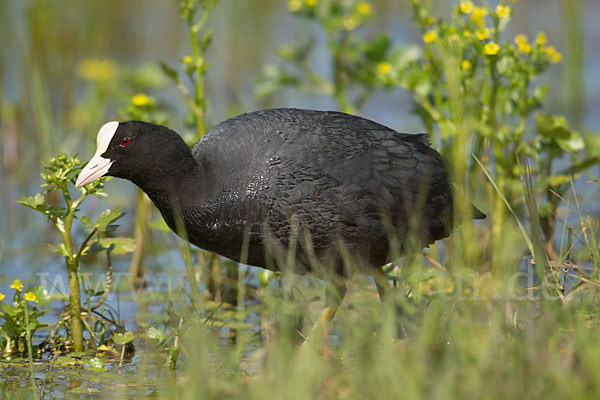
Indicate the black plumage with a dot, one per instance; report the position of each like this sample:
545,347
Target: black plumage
318,181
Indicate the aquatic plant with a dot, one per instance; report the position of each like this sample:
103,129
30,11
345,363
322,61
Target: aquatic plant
60,178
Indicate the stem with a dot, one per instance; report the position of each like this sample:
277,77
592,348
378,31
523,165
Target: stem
215,284
186,254
198,69
498,210
176,340
84,245
73,267
493,95
198,106
430,108
337,48
29,352
122,357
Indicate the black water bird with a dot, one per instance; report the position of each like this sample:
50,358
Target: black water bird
338,188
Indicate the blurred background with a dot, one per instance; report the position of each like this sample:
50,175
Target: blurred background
68,66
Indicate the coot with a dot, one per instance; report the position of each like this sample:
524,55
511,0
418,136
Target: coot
335,189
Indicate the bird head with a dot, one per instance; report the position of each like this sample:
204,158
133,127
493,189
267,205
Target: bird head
134,150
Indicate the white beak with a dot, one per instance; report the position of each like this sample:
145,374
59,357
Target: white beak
98,165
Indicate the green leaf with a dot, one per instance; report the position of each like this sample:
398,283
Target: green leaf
554,129
9,329
37,202
103,348
206,39
108,217
155,334
66,361
147,76
60,225
125,338
571,144
264,277
42,296
160,225
4,334
557,180
7,309
97,364
208,4
419,81
274,78
592,144
505,65
86,222
376,49
539,93
170,72
117,245
173,356
552,126
61,249
404,56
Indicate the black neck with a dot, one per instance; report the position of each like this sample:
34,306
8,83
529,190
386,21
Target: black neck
173,187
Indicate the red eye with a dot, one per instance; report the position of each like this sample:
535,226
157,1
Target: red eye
125,141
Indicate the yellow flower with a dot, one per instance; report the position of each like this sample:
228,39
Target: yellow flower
384,68
466,65
430,36
2,297
524,47
557,57
97,70
478,16
466,7
482,34
520,39
311,3
17,285
140,100
541,39
554,55
188,59
503,11
429,20
364,8
294,5
30,296
350,23
467,34
491,49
